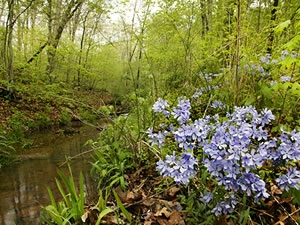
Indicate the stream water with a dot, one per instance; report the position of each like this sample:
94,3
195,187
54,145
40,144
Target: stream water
23,184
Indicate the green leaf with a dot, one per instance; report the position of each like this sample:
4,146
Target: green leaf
53,202
266,91
293,43
280,27
102,214
250,100
62,192
121,206
81,197
54,214
244,216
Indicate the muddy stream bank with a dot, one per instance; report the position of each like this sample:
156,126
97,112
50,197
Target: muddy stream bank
23,184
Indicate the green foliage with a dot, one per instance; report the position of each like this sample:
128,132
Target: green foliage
86,114
6,148
293,193
64,118
70,209
17,125
198,213
102,204
110,165
106,110
112,158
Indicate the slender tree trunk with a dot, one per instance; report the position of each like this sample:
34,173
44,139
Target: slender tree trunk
237,52
54,37
8,48
204,17
273,19
81,48
258,16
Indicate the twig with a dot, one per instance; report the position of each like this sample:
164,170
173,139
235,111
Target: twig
298,210
148,197
288,214
69,158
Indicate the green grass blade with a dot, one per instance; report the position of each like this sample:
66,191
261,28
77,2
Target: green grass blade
62,192
81,195
121,206
102,214
53,202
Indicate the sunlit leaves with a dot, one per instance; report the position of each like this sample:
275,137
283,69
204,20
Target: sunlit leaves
279,28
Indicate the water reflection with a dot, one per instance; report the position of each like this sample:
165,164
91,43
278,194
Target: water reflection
23,185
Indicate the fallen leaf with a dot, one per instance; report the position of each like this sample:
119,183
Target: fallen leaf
162,221
171,192
175,218
85,215
163,211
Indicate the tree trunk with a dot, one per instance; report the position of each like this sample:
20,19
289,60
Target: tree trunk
237,52
204,17
10,68
81,48
8,49
54,35
273,19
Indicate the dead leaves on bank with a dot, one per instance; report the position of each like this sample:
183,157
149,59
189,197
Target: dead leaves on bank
144,204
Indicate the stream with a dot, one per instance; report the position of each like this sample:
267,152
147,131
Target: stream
23,184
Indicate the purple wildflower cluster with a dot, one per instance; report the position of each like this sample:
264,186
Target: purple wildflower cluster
233,149
285,78
253,69
182,111
181,169
203,90
160,107
267,59
217,104
208,77
286,54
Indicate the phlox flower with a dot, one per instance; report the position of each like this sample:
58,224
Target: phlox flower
272,82
285,78
251,183
249,160
232,149
259,133
266,59
198,93
160,107
284,54
217,104
267,116
156,138
206,197
182,112
245,114
289,180
286,151
295,136
181,169
226,206
163,168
